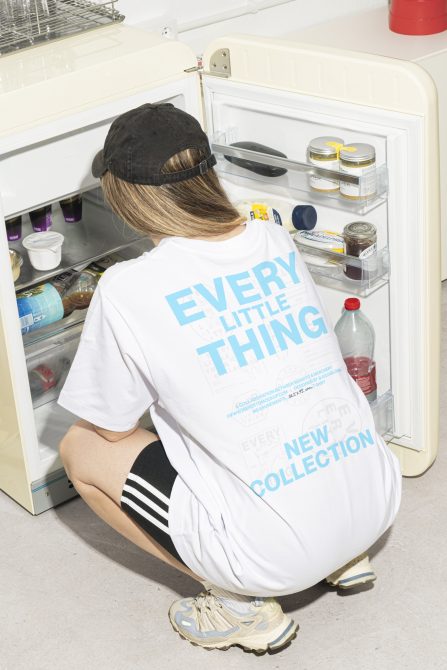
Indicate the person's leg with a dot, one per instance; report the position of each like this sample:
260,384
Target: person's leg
98,470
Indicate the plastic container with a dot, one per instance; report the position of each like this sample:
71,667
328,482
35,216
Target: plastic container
47,375
268,209
72,208
38,307
41,219
44,249
418,17
14,229
320,239
356,338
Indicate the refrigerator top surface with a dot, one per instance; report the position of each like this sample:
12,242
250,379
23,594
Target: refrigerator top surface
89,52
59,79
368,32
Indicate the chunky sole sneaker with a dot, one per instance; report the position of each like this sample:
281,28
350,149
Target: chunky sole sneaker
206,622
354,573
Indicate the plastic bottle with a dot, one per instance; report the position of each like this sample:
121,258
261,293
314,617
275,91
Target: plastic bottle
299,217
356,339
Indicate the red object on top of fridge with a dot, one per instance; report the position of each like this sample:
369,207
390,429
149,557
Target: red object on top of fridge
418,17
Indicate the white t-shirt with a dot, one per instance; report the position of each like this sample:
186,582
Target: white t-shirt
282,477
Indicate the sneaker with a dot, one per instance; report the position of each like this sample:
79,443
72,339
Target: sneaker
209,621
358,571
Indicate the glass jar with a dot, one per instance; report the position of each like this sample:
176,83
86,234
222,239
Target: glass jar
360,240
360,161
323,152
16,263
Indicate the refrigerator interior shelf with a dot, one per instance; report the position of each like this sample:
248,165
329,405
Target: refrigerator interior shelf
53,329
383,412
98,233
360,276
296,181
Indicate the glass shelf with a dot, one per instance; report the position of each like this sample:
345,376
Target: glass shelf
328,269
98,233
78,316
53,329
383,412
296,181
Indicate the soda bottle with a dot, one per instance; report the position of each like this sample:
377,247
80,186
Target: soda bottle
356,339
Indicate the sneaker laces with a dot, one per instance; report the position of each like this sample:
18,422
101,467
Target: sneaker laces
205,604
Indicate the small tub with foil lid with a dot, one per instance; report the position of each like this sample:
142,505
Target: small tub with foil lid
44,249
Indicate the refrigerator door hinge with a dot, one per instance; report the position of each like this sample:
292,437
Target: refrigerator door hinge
220,65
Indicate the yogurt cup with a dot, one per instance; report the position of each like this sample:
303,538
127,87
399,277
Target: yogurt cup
41,219
44,249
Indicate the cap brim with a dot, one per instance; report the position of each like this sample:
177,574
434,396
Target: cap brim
98,167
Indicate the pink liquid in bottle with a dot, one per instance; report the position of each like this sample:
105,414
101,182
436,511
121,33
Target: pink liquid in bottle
363,371
355,335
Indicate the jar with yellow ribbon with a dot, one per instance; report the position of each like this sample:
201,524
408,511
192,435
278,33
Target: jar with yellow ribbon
359,160
324,153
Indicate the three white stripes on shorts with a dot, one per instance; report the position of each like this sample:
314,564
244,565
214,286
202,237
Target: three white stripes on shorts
146,504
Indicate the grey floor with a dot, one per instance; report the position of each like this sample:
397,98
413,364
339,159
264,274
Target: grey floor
74,595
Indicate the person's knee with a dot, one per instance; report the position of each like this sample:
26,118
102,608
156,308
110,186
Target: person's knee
69,449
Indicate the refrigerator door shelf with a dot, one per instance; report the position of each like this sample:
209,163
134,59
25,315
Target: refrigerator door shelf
296,181
383,412
328,269
98,233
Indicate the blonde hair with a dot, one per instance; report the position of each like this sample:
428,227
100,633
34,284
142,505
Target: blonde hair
196,207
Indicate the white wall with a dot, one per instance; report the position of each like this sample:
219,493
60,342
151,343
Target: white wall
292,15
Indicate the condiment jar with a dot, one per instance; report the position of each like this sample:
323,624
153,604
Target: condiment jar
360,161
360,240
16,263
324,153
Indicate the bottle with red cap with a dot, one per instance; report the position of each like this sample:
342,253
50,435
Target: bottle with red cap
356,339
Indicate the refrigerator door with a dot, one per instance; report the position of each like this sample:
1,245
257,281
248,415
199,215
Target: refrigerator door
283,94
57,102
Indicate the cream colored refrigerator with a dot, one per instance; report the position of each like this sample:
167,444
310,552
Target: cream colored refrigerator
57,102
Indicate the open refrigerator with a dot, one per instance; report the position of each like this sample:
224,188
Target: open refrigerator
57,104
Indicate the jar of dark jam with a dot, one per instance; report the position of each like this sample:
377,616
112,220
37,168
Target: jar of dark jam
360,240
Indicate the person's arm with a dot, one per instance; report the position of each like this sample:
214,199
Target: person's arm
113,435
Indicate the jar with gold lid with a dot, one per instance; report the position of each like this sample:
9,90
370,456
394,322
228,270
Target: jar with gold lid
323,152
360,161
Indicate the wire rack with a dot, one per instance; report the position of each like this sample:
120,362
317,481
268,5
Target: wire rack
42,20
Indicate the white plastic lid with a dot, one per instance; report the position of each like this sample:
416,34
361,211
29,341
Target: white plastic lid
46,240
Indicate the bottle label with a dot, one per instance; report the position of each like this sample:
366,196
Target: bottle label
263,212
38,307
368,183
320,183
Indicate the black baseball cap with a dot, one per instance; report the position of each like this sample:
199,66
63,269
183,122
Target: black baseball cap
140,141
